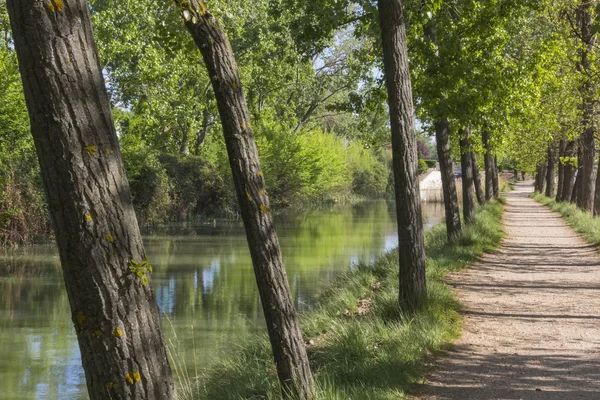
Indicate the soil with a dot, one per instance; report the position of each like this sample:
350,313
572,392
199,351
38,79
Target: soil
532,313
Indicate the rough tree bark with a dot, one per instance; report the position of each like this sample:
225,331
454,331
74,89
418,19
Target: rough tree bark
477,180
466,163
550,171
283,328
101,251
442,137
495,177
585,196
413,288
562,146
488,164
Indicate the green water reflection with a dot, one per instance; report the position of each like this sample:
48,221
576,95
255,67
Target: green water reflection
204,286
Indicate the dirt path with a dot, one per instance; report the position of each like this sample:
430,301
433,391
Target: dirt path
532,315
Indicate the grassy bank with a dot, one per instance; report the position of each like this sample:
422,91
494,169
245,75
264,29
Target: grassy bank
581,221
359,343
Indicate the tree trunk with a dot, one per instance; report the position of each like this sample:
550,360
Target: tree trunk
488,166
495,177
579,180
466,162
543,172
101,251
185,141
282,323
413,288
585,198
569,172
561,170
477,180
551,170
442,137
597,193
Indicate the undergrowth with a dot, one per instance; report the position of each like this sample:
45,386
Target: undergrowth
359,343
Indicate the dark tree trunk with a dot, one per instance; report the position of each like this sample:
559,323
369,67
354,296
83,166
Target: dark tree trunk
488,166
551,171
495,177
579,181
568,172
477,180
561,170
282,323
597,193
201,134
413,288
442,137
585,197
112,304
466,162
538,174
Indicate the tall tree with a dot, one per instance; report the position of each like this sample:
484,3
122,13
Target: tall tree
466,162
477,180
587,34
488,164
551,171
413,288
442,137
104,264
288,347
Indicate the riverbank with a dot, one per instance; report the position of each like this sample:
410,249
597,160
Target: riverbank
359,344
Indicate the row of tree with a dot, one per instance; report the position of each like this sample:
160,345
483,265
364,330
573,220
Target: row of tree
490,78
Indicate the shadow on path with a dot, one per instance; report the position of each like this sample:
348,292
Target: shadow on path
532,315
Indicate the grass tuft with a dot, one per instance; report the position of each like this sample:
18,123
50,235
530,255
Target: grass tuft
361,346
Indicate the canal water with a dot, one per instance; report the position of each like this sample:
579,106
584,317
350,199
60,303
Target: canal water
204,286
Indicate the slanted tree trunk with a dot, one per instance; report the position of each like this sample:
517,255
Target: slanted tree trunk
488,166
283,328
413,288
477,180
585,196
561,170
466,162
113,306
495,177
442,137
551,170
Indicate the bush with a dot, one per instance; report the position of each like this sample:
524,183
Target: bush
304,167
369,171
423,167
431,163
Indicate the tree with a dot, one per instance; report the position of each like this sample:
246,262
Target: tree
282,323
106,274
477,180
466,161
413,288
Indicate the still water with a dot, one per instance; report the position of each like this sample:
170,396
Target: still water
204,286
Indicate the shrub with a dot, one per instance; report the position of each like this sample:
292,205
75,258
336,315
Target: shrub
423,167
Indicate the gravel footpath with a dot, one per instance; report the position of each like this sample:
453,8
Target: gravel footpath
532,314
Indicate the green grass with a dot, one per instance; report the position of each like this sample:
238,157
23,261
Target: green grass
581,221
371,352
